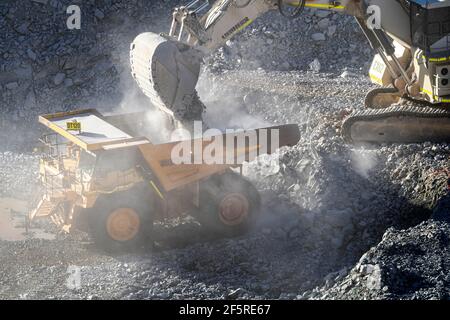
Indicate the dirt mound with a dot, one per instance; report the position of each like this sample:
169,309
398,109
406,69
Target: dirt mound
406,264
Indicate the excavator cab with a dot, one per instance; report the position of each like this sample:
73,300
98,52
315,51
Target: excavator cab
430,30
430,27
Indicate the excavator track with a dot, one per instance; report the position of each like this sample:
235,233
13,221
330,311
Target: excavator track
398,124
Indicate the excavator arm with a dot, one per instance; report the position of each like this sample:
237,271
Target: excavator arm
226,18
167,66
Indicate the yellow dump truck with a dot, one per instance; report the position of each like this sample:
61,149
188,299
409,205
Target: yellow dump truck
99,175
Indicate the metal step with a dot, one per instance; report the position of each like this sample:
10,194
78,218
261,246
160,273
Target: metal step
43,209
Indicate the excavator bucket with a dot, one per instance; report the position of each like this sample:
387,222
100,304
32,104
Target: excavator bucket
167,72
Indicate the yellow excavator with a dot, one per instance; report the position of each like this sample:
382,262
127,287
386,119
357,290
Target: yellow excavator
411,65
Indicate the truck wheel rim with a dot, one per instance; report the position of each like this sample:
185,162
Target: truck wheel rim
123,224
233,209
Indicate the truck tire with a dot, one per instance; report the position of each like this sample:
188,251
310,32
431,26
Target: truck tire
229,204
122,221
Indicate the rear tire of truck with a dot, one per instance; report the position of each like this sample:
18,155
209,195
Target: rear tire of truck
229,205
122,221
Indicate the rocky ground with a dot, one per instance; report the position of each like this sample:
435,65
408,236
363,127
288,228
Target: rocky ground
339,221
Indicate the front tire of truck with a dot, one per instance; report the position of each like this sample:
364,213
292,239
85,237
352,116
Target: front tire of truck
229,205
122,221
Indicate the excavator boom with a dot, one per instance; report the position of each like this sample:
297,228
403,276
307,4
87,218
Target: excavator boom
411,63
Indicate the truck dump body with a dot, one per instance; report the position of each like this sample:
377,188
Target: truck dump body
95,130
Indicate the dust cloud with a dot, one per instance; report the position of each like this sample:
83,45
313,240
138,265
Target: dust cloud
363,162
